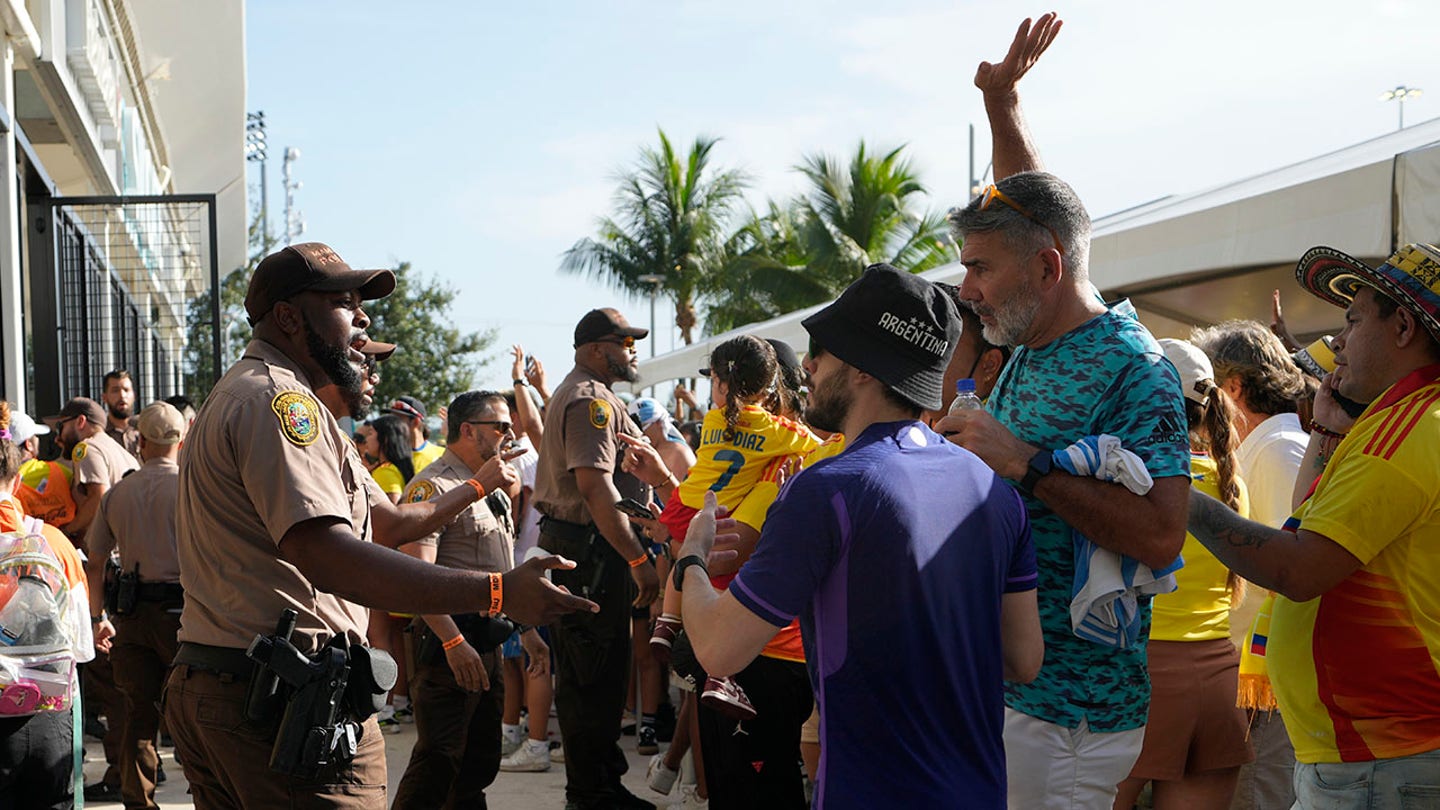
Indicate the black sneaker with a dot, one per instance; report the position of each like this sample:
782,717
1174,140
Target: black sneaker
647,744
102,792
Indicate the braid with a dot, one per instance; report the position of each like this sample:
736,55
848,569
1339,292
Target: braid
1217,424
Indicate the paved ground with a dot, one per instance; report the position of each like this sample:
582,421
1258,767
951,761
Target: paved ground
511,790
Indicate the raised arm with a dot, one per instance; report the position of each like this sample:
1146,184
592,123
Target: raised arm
1012,149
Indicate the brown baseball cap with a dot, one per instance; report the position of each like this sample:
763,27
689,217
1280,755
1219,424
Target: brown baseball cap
162,423
602,323
79,406
309,266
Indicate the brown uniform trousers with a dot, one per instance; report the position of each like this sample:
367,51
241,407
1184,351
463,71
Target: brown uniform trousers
227,757
457,747
144,647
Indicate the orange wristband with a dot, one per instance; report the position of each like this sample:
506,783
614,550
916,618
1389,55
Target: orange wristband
479,490
497,593
639,561
453,643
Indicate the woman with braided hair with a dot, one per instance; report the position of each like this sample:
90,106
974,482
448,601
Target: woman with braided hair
1195,741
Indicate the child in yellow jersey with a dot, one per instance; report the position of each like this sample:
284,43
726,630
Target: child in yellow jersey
1195,740
739,439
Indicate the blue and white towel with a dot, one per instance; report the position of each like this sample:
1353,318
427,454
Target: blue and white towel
1105,596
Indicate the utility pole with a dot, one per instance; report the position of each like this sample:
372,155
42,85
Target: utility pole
256,152
1400,93
294,220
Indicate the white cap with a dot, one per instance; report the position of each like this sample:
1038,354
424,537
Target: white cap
22,427
1197,375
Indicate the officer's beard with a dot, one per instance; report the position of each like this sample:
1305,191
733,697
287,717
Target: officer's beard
121,411
623,371
334,361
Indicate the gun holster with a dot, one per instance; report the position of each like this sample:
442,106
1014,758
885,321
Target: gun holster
127,591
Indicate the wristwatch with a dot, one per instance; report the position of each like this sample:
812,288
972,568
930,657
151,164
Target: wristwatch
1040,466
678,578
519,381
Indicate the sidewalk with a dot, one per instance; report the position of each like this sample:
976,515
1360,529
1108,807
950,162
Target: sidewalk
510,790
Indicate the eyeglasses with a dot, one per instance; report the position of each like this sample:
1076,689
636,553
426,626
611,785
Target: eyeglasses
627,341
500,427
815,349
992,194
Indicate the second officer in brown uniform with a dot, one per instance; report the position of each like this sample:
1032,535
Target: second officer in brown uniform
137,517
577,484
456,690
273,514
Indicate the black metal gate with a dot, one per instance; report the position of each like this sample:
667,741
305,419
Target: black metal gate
132,284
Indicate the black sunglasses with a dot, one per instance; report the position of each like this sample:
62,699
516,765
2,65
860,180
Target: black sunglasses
500,426
816,350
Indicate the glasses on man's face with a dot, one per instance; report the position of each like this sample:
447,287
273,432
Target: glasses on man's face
816,350
627,341
501,427
992,194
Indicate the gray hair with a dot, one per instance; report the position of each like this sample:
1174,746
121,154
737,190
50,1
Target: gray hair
1051,201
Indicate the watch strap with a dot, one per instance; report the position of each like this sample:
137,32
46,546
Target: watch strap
1040,465
678,578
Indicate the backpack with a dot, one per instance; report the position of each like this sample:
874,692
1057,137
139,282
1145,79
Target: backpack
37,626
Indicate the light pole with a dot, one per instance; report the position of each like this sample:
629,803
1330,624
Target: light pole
294,220
255,152
1400,93
655,279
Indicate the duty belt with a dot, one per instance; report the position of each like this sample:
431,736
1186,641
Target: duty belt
219,660
565,530
161,592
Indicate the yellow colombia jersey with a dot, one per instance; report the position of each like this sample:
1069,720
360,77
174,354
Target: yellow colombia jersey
424,454
1357,670
756,505
731,460
1199,607
388,476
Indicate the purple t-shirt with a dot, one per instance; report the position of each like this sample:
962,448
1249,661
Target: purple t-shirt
895,555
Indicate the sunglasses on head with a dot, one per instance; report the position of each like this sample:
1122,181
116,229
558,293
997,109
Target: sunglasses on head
991,194
627,341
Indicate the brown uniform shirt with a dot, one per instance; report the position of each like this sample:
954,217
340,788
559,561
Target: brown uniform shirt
101,460
263,456
128,438
474,540
581,424
137,516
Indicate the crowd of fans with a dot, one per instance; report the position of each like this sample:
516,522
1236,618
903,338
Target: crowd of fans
1175,574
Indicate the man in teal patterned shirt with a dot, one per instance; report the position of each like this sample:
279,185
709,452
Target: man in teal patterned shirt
1081,369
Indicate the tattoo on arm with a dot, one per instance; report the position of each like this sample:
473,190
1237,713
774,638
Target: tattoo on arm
1212,522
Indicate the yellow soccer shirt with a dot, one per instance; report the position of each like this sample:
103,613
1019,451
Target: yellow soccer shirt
388,476
424,454
756,505
731,461
1357,670
1199,607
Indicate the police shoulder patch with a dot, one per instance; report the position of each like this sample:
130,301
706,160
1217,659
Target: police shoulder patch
420,491
600,414
80,450
299,417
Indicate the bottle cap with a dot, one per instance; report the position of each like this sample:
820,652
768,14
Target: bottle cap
965,385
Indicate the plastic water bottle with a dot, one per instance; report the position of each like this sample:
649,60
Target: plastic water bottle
965,399
29,619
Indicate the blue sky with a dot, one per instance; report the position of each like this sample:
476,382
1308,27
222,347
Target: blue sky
479,141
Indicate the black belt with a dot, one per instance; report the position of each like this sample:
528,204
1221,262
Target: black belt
161,592
219,660
565,530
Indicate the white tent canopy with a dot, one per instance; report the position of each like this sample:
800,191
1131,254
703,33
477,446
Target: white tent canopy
1205,257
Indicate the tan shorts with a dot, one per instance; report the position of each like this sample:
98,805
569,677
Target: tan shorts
1194,724
810,732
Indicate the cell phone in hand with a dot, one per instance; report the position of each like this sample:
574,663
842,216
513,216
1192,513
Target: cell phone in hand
529,362
635,509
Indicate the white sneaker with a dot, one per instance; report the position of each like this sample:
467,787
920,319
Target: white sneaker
690,799
557,752
528,758
660,778
511,741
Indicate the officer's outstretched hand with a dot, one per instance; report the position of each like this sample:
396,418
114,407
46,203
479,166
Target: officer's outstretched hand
497,473
469,669
530,598
647,581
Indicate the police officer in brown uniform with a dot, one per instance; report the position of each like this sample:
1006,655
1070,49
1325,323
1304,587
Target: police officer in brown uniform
577,484
137,517
118,395
456,690
99,463
272,515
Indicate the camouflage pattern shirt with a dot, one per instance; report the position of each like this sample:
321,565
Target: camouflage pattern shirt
1106,376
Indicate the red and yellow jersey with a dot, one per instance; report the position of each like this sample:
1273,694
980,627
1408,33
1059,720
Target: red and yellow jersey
44,490
1199,607
731,460
1357,670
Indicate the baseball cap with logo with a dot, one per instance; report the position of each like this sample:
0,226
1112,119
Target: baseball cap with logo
162,423
79,406
895,326
309,266
1197,374
408,407
602,323
22,428
1410,278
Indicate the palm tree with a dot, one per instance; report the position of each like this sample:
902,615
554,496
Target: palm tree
766,272
670,219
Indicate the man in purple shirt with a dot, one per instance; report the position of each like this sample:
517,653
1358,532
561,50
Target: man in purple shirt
907,560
